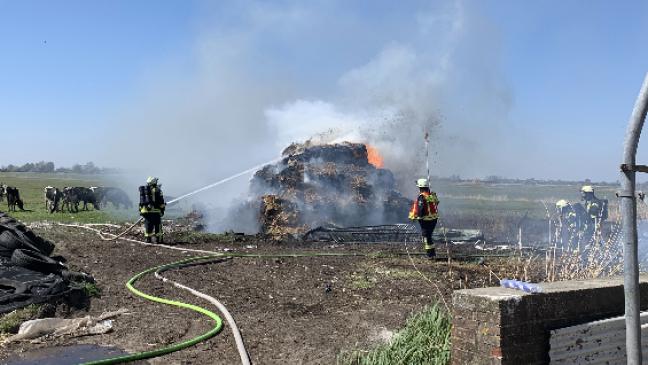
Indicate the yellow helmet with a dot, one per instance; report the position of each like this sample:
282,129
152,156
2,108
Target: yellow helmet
587,189
561,203
422,183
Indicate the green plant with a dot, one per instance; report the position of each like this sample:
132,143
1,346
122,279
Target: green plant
424,340
91,289
10,322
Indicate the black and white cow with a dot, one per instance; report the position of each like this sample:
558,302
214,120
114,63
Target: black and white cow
72,196
53,196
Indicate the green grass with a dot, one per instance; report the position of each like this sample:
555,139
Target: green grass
509,199
91,290
31,187
397,274
369,276
362,281
203,237
10,322
424,340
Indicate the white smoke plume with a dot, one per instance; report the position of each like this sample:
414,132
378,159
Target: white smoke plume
239,106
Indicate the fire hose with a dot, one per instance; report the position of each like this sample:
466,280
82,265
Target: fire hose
220,182
183,263
206,255
174,347
218,322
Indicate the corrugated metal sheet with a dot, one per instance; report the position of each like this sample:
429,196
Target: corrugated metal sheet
599,342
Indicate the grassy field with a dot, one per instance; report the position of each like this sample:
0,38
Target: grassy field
511,199
461,201
31,192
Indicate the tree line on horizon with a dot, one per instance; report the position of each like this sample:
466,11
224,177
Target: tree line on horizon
49,167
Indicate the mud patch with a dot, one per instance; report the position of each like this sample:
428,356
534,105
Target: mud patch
66,355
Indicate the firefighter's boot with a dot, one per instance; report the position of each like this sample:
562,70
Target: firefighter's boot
148,239
429,248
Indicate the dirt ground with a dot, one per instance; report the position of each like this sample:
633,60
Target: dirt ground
282,305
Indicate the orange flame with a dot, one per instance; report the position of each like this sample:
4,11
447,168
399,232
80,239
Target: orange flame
374,157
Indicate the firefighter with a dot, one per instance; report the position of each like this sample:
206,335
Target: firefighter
595,212
151,208
569,222
425,211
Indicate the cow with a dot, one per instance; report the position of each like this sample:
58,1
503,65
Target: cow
116,196
13,198
2,191
70,199
45,190
72,196
53,196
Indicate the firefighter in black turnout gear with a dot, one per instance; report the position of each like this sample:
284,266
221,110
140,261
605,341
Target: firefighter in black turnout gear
151,208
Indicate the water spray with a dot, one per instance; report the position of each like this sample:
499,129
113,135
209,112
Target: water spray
220,182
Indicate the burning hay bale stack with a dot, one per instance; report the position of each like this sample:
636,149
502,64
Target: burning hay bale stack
315,185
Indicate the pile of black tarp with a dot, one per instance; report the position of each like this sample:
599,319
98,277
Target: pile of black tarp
28,275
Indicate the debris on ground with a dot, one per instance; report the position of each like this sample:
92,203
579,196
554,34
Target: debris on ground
388,233
323,184
73,327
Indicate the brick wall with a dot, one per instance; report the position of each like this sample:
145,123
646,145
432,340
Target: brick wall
508,326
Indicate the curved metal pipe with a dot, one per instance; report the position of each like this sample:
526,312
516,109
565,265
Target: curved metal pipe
629,214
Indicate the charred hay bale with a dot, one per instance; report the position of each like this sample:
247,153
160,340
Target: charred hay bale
325,184
339,153
279,215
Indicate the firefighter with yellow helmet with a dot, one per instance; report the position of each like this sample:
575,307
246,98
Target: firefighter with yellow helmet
596,211
152,208
425,211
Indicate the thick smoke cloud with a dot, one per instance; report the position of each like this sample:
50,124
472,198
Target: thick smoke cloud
242,103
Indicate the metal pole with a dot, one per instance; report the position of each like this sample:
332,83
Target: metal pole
629,224
427,154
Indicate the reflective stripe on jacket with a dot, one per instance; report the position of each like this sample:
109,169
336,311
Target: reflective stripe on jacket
425,207
157,201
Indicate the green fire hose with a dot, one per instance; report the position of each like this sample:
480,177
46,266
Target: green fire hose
217,320
218,324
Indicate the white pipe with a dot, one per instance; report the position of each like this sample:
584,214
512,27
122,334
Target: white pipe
240,346
230,320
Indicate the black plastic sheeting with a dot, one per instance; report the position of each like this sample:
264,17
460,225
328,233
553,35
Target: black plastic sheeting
20,287
28,275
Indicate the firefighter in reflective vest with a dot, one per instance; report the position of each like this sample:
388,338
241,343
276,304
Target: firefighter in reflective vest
151,208
425,211
596,212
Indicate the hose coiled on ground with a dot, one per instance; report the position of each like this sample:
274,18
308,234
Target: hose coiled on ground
218,324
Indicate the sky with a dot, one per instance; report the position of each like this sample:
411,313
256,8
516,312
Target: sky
197,90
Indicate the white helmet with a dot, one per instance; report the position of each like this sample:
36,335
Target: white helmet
561,203
152,180
587,189
422,183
